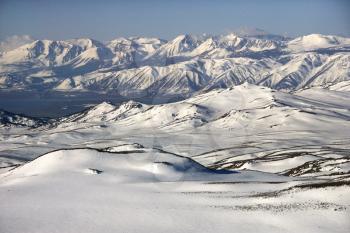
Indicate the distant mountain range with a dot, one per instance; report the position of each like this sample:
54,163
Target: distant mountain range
139,66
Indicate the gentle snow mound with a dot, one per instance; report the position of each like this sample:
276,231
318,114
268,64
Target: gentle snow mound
149,165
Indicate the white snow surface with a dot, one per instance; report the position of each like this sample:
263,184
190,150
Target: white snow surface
90,191
246,159
316,41
183,66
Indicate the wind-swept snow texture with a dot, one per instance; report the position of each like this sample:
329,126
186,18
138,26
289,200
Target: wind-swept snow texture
147,190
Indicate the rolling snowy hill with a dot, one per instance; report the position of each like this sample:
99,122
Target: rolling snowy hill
245,126
140,189
235,156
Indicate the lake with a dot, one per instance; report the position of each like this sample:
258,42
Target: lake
58,104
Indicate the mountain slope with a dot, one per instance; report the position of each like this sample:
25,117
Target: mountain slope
244,127
182,66
8,119
315,42
223,108
141,190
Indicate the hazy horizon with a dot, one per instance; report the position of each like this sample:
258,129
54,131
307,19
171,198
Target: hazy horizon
166,19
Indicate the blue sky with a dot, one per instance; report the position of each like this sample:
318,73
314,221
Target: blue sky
104,20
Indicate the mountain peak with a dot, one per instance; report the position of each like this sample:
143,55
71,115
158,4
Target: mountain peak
104,106
316,41
19,120
182,66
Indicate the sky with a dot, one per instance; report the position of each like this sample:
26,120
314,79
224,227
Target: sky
106,19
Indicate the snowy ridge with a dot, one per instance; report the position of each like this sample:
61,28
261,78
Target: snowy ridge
144,166
8,119
219,108
182,66
244,109
246,153
316,41
105,112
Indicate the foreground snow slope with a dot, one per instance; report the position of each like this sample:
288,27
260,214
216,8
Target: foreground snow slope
128,165
140,190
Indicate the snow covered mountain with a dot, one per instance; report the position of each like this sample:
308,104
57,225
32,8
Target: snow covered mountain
8,119
251,128
222,108
316,42
242,127
246,110
182,66
246,150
